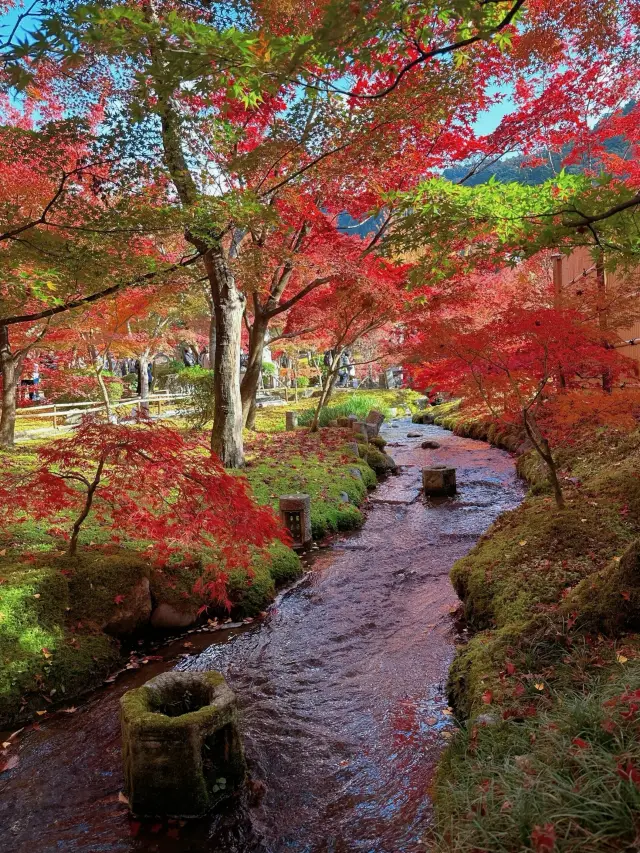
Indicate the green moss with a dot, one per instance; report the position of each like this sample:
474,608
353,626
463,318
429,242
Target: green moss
609,600
250,594
378,461
378,441
42,651
327,480
283,564
95,578
556,595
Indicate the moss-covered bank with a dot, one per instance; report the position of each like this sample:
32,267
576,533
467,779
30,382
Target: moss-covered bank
62,621
547,691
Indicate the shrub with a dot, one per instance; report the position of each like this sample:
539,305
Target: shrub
199,383
353,404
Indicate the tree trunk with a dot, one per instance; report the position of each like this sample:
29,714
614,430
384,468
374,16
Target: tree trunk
102,385
251,379
603,319
144,380
229,302
542,448
212,334
11,370
104,391
324,396
73,541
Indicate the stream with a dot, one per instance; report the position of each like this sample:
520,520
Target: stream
342,691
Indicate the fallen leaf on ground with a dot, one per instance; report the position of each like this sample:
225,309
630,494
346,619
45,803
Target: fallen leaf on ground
9,764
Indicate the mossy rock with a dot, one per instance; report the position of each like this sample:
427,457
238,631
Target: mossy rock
43,651
96,579
284,564
378,441
380,462
249,594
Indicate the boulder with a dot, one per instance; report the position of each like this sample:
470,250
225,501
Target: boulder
381,462
360,429
168,616
413,435
378,441
133,612
430,445
376,419
423,418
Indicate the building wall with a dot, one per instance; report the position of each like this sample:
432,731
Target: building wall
579,265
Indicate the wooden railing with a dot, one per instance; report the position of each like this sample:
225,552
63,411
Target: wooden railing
62,411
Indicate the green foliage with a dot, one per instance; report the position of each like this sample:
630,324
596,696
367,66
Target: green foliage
515,218
43,651
327,480
198,382
360,403
574,767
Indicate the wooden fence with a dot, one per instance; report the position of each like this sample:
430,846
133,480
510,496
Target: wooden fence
60,412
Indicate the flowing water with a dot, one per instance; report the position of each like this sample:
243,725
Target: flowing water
342,692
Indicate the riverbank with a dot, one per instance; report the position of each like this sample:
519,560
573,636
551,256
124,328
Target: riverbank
66,624
341,690
547,691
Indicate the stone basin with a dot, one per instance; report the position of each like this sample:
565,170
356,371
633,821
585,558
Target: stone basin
181,747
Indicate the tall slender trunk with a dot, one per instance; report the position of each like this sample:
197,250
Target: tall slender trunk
144,379
11,370
229,302
91,490
251,379
104,393
212,333
102,385
326,390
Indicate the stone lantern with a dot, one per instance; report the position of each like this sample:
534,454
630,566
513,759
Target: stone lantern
295,512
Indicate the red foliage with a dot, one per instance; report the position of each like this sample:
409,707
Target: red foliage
147,482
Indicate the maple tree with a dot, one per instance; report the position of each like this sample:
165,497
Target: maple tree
255,132
340,317
143,481
517,357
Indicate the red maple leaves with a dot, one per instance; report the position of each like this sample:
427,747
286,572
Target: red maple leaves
144,482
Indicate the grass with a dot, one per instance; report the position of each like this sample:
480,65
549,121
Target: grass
317,465
547,754
573,770
343,403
